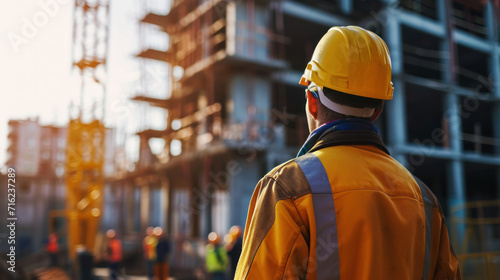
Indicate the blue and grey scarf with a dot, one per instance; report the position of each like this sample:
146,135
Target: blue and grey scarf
337,125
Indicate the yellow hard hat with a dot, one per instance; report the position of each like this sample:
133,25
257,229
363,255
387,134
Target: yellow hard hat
213,238
110,234
235,231
228,238
352,60
157,231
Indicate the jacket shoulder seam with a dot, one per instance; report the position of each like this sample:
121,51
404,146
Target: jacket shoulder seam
293,194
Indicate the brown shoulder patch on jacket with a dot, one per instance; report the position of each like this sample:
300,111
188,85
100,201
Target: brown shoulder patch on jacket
291,177
286,181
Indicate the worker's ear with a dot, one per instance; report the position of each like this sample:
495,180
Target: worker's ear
312,105
377,113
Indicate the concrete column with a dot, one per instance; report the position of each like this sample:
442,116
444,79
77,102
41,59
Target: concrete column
456,197
144,209
164,203
346,6
441,11
396,107
245,175
456,177
491,25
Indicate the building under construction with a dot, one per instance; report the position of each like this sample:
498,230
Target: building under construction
236,109
225,73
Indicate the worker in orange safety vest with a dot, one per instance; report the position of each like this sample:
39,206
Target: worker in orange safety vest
234,247
216,260
114,253
344,208
149,248
162,267
53,249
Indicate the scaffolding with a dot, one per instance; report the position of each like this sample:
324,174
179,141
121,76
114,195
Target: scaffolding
479,252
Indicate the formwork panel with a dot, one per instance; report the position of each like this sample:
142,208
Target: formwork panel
477,125
432,171
425,126
247,91
331,6
473,70
366,8
427,8
469,16
421,54
299,49
481,181
248,34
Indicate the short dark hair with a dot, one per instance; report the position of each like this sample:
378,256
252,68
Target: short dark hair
347,100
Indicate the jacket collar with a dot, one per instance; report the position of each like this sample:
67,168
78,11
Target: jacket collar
343,132
349,137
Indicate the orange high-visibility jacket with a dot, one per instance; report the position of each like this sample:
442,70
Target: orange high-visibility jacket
52,246
115,248
345,210
149,247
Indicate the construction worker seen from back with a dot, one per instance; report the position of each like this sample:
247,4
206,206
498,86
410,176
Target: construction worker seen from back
344,208
114,253
149,247
216,261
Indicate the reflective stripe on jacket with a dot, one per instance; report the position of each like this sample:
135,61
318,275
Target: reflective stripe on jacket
345,210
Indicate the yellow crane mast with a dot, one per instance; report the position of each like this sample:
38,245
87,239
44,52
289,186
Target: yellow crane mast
84,182
85,146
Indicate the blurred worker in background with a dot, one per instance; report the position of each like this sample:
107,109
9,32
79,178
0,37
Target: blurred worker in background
114,253
344,208
216,258
234,247
53,249
149,248
162,254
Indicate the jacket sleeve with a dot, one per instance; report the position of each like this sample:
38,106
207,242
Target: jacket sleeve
274,246
447,266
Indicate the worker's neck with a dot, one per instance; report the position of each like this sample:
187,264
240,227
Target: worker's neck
319,122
